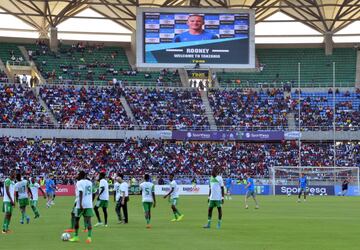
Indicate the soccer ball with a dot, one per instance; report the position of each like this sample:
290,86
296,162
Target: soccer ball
289,194
65,237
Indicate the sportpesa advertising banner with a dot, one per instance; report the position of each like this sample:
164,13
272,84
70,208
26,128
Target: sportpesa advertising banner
313,190
182,37
228,135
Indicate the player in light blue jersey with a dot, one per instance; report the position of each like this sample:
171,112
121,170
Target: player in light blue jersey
195,32
228,182
302,186
50,190
250,187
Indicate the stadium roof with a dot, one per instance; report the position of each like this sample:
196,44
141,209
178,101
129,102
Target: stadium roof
325,16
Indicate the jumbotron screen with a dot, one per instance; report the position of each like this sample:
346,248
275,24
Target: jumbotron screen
181,38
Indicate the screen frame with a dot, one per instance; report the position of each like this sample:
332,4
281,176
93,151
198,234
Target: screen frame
140,48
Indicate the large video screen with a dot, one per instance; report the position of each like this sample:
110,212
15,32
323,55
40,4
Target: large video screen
181,37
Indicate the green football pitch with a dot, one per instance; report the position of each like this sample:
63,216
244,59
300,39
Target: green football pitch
322,222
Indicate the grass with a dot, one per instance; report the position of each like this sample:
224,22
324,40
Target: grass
280,223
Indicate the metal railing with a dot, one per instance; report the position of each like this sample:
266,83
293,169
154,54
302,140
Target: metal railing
18,63
108,83
248,84
101,127
99,83
171,127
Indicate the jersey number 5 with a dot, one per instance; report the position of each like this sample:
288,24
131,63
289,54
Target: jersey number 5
88,190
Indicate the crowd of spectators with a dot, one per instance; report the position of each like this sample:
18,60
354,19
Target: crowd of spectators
176,109
167,108
135,157
317,110
3,77
87,63
88,108
77,62
19,107
239,109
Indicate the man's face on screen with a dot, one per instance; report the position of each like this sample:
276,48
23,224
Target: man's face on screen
195,23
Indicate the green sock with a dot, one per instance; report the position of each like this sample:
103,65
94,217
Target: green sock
72,223
147,221
89,232
178,213
35,210
209,221
5,224
175,215
22,215
76,232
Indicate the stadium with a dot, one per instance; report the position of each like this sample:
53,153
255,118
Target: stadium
180,124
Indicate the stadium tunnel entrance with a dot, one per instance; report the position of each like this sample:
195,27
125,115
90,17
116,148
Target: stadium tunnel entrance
200,79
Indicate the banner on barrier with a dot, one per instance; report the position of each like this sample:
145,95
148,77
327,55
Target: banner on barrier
241,190
228,135
313,190
62,190
352,190
183,189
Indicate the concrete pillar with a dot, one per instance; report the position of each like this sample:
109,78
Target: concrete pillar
133,48
54,42
43,34
328,43
357,80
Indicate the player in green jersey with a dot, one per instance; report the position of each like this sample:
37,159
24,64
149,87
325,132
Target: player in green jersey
147,190
8,201
216,196
34,189
174,199
22,192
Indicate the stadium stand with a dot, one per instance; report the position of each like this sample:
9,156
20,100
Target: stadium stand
91,107
237,109
317,110
89,64
167,108
122,101
87,108
3,77
20,108
11,52
160,157
280,66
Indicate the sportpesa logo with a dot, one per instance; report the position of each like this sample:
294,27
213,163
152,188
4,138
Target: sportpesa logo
311,190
